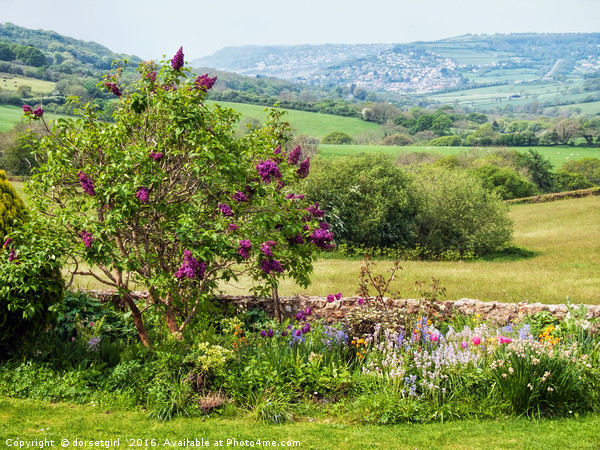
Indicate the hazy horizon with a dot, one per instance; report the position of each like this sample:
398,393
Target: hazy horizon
150,28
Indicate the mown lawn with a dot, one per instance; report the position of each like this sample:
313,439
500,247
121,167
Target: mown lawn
29,420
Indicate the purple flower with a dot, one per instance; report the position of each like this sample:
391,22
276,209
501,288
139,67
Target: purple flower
266,248
277,150
151,76
330,298
338,296
26,109
177,61
191,267
298,239
268,266
87,237
12,256
112,87
7,242
308,311
156,156
304,168
233,227
270,333
298,333
315,211
143,194
306,328
86,184
38,112
284,333
361,301
294,156
204,82
267,169
300,316
263,333
240,197
324,226
322,239
225,209
244,248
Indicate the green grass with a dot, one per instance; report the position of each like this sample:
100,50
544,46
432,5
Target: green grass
31,420
557,155
566,262
9,117
309,123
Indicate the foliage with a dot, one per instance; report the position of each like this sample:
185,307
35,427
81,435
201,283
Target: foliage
397,139
167,197
459,214
367,199
505,182
12,208
446,141
337,137
588,168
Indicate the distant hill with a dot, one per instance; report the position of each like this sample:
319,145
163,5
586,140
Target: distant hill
422,67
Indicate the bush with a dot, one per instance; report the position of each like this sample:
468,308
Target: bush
446,141
368,200
12,208
336,138
567,181
588,168
397,139
459,214
505,182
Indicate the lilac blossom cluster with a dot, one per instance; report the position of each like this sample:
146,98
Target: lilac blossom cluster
87,238
156,156
177,61
112,87
304,168
322,238
143,194
244,248
86,184
204,82
191,267
151,76
293,196
265,248
271,265
37,112
314,211
233,227
267,170
240,197
294,156
225,209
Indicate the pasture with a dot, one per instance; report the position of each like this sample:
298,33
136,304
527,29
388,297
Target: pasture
11,83
9,117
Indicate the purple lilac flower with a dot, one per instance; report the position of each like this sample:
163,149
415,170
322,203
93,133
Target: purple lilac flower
244,248
322,239
27,109
277,150
273,265
240,197
267,169
204,82
266,249
304,168
38,112
156,156
190,268
143,194
270,333
7,242
151,76
177,61
86,184
298,239
233,227
289,197
324,226
315,211
112,87
294,156
225,209
87,237
12,256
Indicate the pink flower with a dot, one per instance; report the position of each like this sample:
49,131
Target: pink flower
361,301
433,337
91,324
464,344
476,340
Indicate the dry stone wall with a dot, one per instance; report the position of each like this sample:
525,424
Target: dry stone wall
495,311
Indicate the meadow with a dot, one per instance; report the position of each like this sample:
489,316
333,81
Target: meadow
11,83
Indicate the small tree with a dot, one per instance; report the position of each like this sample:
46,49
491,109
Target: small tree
167,198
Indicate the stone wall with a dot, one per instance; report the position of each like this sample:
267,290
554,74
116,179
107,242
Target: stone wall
496,311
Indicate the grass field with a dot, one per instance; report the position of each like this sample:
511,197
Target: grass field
309,123
29,420
38,87
9,117
556,154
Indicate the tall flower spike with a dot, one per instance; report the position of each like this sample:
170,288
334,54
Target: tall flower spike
177,61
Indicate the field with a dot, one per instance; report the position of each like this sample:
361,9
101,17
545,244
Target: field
9,117
31,420
556,154
309,123
38,87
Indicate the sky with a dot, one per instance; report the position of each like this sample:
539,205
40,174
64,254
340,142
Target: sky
152,29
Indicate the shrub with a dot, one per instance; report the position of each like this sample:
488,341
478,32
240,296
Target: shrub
588,168
567,181
397,139
368,200
446,141
505,182
336,138
12,208
457,213
166,198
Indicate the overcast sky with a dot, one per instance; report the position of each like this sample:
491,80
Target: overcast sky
153,28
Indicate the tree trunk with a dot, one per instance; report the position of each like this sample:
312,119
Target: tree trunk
137,320
172,323
276,304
